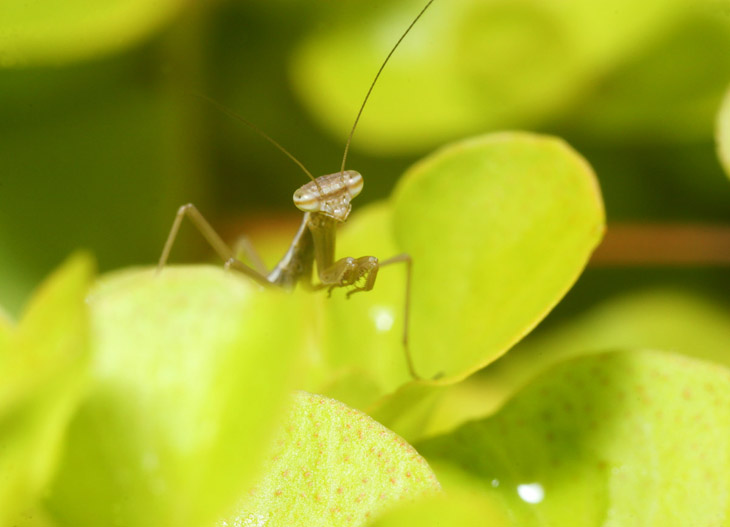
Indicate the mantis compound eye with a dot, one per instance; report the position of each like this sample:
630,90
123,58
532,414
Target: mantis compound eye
353,181
307,198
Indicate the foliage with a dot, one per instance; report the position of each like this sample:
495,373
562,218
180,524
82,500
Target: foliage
44,363
48,32
611,69
184,398
610,439
332,465
723,133
139,398
507,242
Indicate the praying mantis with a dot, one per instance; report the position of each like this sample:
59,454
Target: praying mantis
325,202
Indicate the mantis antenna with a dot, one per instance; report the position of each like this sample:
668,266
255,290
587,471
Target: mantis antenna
234,115
372,85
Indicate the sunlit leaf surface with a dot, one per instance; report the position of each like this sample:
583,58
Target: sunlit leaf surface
651,319
460,510
6,327
331,466
470,65
52,32
43,367
723,133
362,335
35,517
189,376
625,438
499,228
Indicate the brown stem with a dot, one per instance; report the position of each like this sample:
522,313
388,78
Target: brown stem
628,244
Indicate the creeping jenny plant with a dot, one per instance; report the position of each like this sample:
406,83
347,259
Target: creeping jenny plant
165,400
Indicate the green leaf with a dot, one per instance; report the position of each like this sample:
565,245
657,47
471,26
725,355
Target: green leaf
332,465
6,328
473,65
503,245
659,95
651,319
52,32
462,510
499,228
419,410
625,438
191,369
43,366
363,351
33,518
723,133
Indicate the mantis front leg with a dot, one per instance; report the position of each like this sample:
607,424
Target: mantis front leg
349,271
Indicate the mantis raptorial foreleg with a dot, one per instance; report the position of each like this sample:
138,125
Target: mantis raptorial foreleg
348,271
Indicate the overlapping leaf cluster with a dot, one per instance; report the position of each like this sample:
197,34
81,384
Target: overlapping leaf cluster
164,400
157,404
188,368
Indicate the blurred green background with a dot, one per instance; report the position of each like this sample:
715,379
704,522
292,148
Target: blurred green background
102,136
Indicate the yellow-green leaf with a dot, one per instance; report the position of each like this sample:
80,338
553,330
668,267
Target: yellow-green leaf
331,466
43,367
36,517
419,410
6,327
362,336
651,319
53,32
461,509
469,65
723,133
499,227
625,438
659,95
191,369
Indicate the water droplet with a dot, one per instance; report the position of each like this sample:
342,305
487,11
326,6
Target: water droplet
531,492
495,483
383,318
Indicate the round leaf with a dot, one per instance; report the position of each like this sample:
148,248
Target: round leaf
499,227
191,368
461,510
332,465
52,32
43,367
474,65
627,438
652,319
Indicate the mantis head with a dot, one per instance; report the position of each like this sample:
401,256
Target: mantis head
330,195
